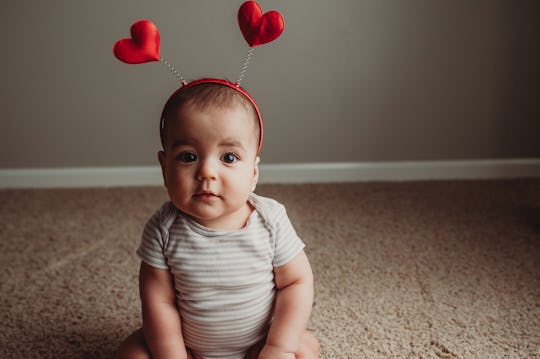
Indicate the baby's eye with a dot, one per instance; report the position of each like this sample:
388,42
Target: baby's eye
229,158
186,157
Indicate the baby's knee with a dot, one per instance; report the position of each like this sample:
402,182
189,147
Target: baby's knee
133,347
131,353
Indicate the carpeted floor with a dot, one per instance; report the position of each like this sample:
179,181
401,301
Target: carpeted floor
403,270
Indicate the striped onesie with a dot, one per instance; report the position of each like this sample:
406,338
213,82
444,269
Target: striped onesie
224,280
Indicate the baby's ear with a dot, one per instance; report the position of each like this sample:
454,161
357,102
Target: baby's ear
255,174
161,158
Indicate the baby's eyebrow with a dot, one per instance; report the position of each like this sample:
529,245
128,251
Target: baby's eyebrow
231,142
227,142
181,142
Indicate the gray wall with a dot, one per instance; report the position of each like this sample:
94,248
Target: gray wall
349,80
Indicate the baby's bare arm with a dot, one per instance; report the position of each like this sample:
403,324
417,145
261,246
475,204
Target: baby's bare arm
294,300
161,321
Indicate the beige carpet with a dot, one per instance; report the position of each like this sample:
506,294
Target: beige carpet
403,270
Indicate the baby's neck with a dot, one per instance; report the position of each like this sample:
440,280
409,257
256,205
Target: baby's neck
234,221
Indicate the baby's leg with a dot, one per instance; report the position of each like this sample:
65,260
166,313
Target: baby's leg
134,347
308,348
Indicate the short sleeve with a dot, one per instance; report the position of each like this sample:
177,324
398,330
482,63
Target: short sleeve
287,242
151,249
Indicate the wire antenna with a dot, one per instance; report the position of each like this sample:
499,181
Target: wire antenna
245,66
173,71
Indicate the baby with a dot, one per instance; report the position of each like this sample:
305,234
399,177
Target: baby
223,273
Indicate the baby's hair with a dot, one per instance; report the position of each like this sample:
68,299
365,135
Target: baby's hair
202,96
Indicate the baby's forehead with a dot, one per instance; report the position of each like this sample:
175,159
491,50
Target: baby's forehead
240,123
240,109
210,96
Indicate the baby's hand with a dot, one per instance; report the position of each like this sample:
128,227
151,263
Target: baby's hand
273,352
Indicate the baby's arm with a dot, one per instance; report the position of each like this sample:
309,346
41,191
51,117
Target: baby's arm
161,321
294,300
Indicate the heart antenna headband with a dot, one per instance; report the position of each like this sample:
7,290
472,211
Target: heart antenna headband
257,28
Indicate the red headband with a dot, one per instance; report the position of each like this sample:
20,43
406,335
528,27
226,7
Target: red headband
223,82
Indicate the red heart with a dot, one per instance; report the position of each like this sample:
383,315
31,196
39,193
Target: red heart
143,46
259,28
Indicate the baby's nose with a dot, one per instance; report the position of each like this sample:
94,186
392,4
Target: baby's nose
207,170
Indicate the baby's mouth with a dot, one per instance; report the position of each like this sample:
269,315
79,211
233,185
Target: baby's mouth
206,195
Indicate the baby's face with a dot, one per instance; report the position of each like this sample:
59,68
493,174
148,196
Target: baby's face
210,164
